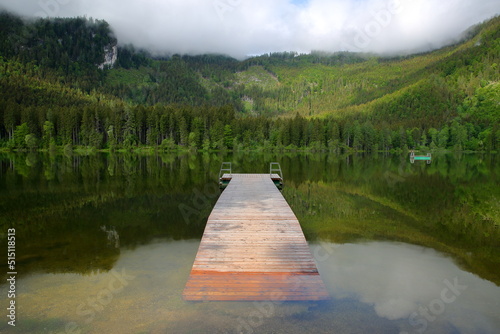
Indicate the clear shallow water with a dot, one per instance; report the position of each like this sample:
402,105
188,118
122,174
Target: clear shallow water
375,287
108,246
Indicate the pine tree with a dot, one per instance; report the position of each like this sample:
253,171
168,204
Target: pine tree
48,138
130,137
217,135
443,137
228,136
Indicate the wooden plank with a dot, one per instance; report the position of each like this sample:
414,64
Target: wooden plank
253,248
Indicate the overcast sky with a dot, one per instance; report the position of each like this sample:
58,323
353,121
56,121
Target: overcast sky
248,27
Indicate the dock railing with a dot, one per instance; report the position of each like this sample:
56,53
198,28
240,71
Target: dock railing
276,174
224,168
275,168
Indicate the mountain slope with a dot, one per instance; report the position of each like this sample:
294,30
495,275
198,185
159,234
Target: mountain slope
73,49
407,90
52,70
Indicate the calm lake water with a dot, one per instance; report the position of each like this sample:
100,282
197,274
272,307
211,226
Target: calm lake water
105,243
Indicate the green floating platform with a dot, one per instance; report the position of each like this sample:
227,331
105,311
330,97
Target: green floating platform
414,157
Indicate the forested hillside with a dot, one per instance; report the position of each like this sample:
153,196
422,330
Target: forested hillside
60,86
73,49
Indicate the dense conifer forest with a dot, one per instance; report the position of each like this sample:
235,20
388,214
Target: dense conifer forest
58,88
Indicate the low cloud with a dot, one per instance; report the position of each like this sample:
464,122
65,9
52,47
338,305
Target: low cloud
243,27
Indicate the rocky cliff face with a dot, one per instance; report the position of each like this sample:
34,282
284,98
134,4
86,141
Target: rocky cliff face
110,56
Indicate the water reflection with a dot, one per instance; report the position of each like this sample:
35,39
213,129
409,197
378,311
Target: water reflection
451,205
375,287
143,286
79,219
73,214
418,285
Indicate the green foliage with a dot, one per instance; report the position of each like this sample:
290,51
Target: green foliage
217,135
48,134
443,137
31,141
68,150
228,136
54,90
72,47
168,144
130,58
483,106
20,134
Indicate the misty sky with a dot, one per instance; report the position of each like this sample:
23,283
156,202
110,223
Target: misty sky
248,27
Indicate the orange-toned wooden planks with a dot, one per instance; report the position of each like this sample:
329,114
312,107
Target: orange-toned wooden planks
253,248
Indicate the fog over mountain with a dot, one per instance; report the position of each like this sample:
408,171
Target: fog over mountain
243,27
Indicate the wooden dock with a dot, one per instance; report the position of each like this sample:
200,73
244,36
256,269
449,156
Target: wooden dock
253,248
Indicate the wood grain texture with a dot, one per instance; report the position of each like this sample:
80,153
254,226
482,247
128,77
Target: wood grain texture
253,248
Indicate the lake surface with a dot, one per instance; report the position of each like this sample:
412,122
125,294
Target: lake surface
105,243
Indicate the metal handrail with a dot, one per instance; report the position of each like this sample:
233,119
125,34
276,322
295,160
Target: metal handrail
277,169
222,169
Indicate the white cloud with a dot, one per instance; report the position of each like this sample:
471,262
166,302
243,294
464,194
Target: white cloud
241,27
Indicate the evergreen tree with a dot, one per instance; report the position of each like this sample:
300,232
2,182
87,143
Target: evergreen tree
217,135
48,138
443,137
228,136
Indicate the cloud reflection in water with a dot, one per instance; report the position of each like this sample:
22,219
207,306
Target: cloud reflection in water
399,279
